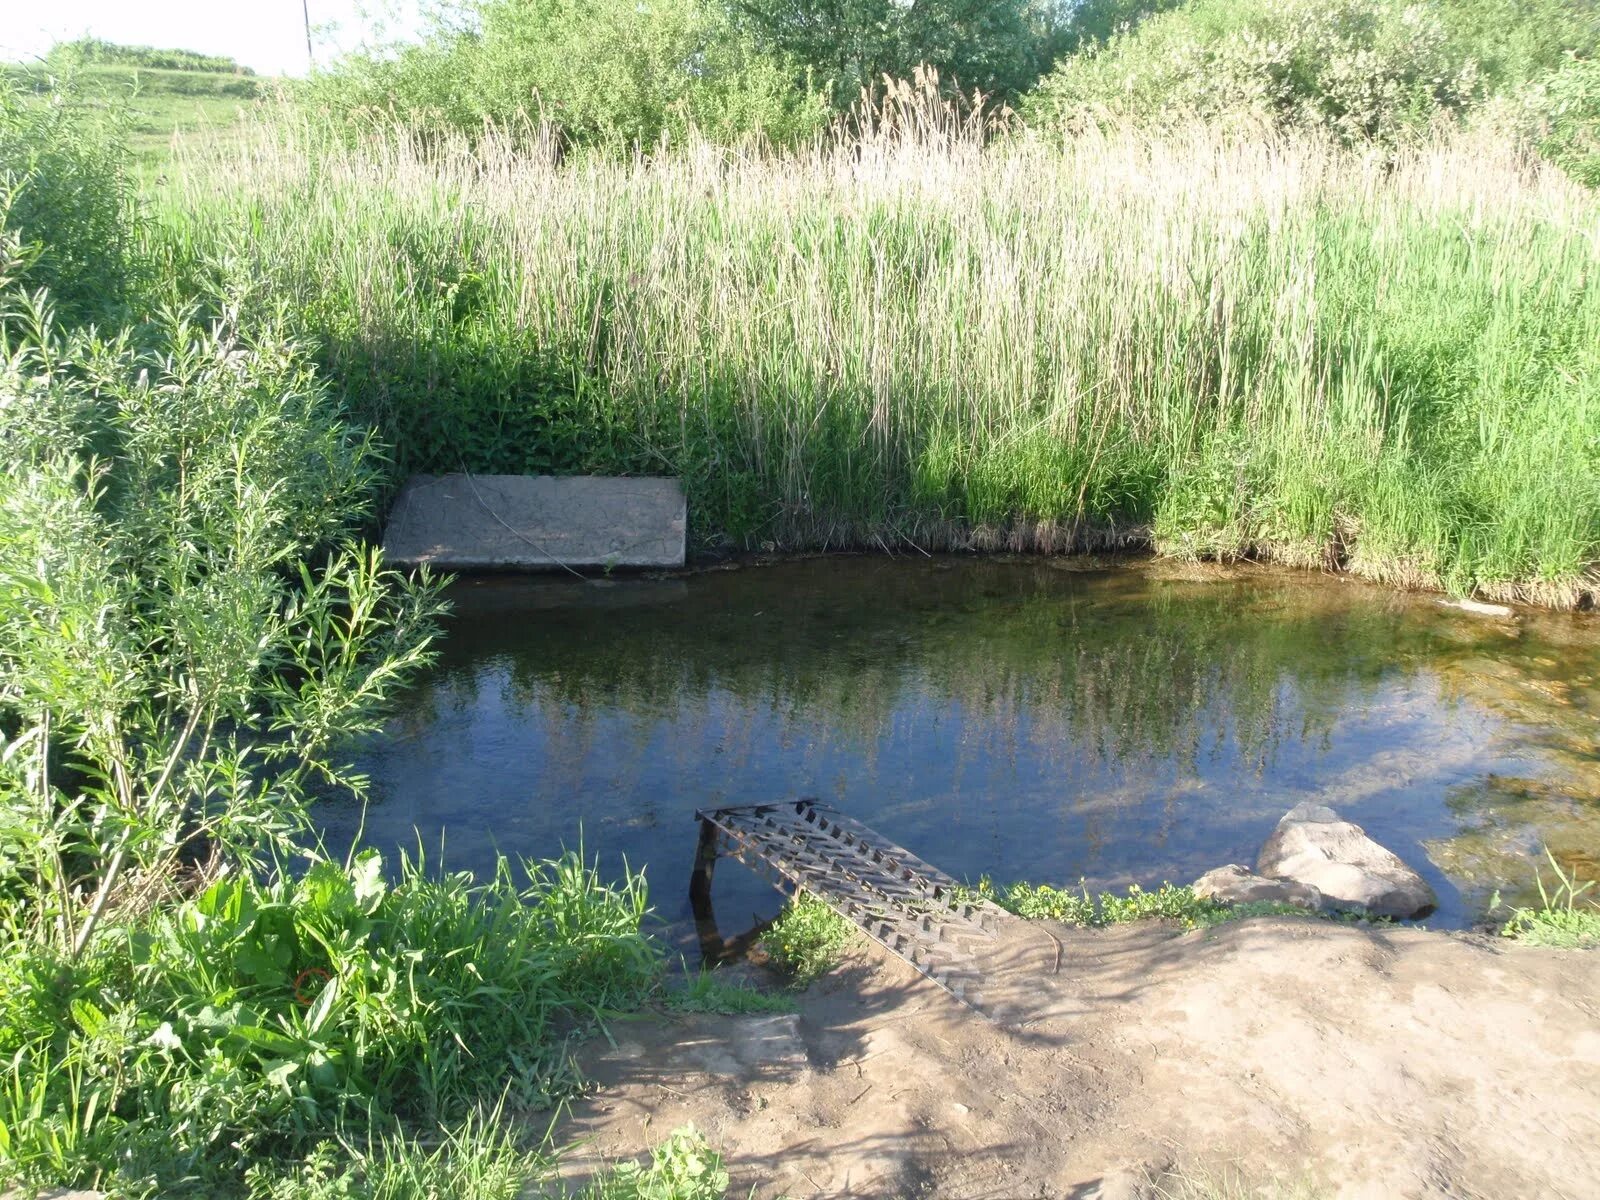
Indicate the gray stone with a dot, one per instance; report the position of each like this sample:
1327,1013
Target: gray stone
1479,608
1235,884
1314,846
536,522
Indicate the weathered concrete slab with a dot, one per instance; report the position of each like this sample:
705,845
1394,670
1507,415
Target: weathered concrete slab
536,522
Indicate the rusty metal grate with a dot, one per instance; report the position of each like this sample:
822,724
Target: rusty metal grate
913,910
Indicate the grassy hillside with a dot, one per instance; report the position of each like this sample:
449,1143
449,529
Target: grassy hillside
160,102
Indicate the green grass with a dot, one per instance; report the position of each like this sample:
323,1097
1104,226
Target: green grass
1565,918
707,992
806,940
1041,901
477,1160
1221,345
482,1160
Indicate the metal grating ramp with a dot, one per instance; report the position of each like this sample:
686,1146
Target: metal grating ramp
913,910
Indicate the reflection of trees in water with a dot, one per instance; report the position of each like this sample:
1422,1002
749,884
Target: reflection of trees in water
1114,664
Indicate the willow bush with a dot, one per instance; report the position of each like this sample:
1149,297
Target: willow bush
67,198
1361,69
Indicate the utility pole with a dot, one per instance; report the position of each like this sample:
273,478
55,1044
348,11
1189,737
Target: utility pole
305,9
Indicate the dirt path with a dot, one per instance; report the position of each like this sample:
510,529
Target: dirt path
1346,1061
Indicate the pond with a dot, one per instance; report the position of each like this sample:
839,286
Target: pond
1042,719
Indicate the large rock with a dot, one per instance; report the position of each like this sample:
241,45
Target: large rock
1314,846
1235,884
536,522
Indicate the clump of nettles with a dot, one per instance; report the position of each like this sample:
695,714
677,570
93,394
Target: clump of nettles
806,939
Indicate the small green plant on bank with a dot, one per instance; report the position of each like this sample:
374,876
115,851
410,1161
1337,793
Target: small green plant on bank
806,939
1565,918
707,992
476,1160
1168,902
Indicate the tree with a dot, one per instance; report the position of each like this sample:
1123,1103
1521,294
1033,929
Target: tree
602,72
997,47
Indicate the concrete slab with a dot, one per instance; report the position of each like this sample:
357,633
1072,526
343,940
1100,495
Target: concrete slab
536,522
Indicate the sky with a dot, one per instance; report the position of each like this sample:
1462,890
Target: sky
268,35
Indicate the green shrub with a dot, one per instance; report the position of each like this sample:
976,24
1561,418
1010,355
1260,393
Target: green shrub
1561,115
1097,21
181,654
1515,42
995,47
1360,69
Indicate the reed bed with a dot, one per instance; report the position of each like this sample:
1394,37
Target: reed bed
1219,343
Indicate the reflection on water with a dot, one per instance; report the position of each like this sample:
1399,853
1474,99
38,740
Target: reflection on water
1025,719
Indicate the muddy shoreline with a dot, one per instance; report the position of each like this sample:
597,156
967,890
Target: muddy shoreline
1302,1058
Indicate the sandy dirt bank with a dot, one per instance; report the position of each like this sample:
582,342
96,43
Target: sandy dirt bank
1303,1058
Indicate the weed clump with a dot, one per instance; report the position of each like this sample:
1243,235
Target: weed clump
684,1167
1564,919
806,939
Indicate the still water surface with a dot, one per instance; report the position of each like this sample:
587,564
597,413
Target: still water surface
1034,719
